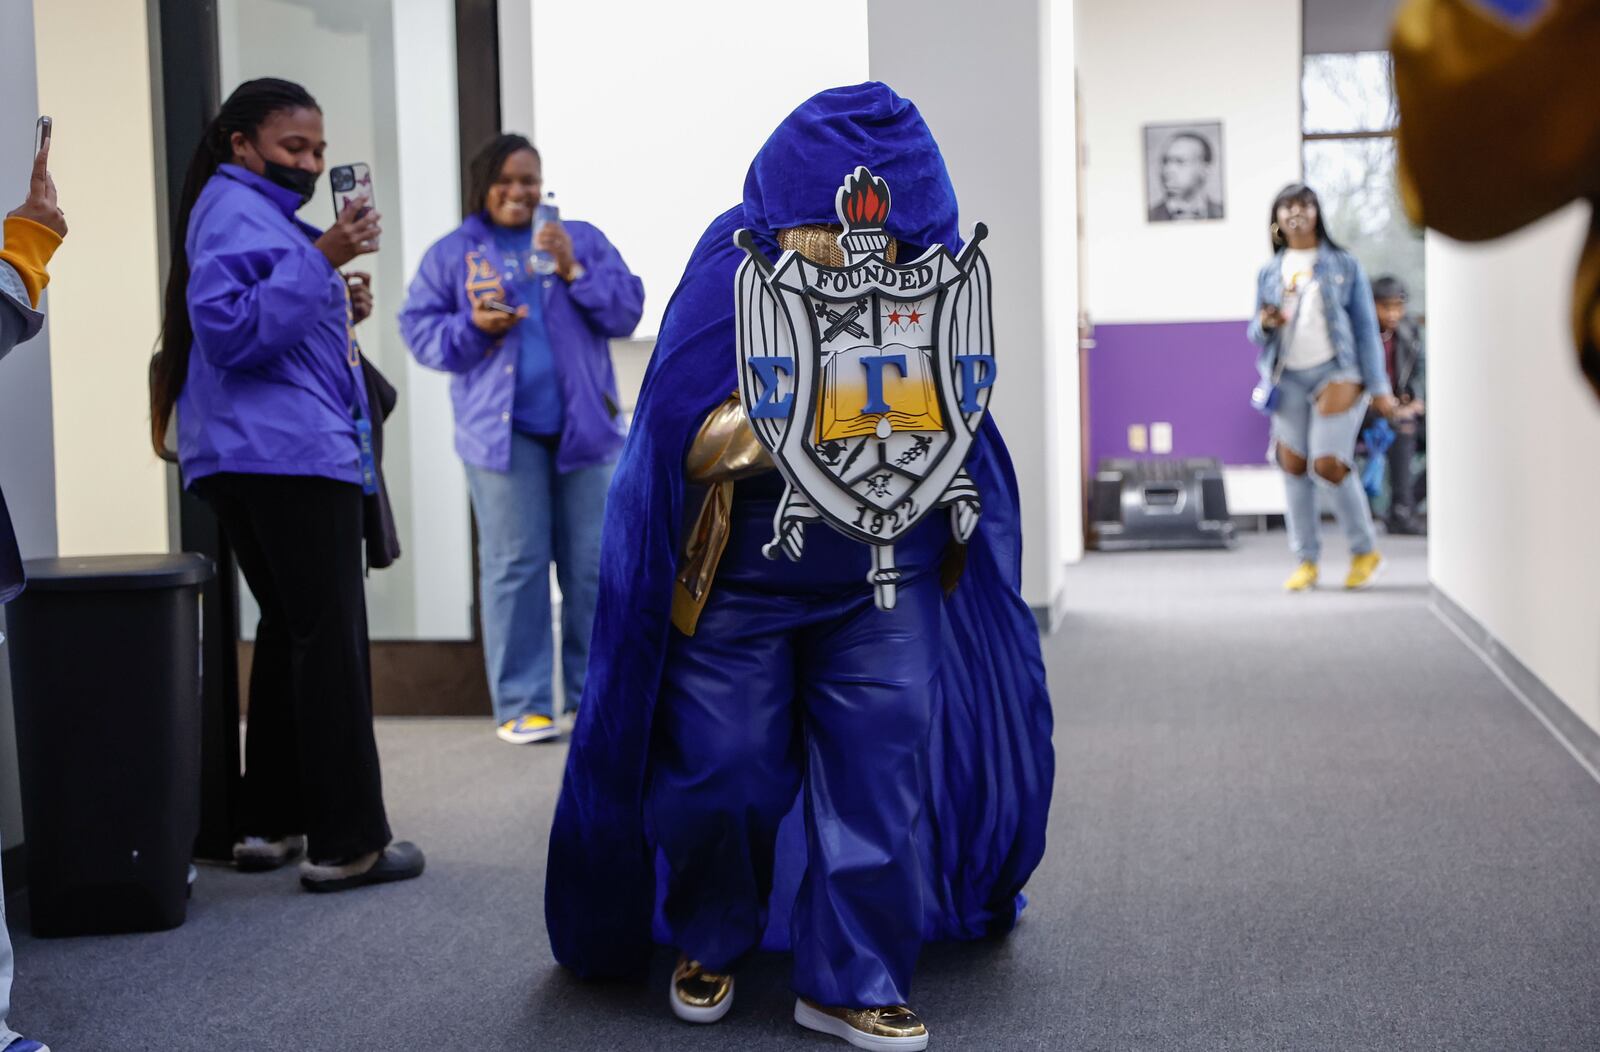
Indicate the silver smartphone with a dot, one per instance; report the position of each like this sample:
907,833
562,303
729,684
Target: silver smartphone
41,134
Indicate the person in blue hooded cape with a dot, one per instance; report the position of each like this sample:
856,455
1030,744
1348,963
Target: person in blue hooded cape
783,765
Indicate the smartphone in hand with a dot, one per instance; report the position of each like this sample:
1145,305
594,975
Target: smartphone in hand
41,134
352,182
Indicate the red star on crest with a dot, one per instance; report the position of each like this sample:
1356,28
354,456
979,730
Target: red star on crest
916,317
894,317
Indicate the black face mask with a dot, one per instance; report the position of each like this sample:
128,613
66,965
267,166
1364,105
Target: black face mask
299,180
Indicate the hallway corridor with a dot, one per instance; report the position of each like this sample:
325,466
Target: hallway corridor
1297,823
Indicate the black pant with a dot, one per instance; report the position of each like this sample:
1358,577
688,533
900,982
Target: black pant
1402,481
311,761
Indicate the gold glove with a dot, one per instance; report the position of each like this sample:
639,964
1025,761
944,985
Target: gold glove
726,449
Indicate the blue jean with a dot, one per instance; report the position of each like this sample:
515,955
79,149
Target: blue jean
1297,426
7,1035
529,517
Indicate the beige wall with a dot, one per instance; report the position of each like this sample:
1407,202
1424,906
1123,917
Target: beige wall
93,61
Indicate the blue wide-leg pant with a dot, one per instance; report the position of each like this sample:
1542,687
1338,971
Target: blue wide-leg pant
794,683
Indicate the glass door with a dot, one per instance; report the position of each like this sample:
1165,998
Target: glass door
384,72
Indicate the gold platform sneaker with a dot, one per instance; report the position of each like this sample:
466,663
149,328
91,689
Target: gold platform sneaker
699,996
890,1028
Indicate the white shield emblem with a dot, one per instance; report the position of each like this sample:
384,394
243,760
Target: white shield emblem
867,382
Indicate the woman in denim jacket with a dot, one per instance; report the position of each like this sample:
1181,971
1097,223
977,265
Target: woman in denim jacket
1318,332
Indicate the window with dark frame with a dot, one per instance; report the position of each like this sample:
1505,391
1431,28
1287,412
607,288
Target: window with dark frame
1348,120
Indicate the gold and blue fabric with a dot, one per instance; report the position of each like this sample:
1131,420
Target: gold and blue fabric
847,783
1500,125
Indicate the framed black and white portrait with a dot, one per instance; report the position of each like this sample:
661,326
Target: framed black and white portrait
1183,172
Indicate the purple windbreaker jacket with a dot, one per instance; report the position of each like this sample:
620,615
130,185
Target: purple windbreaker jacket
580,317
272,388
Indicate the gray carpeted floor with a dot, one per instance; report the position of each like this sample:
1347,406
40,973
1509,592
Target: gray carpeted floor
1294,823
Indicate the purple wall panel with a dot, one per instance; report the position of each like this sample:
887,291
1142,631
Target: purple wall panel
1197,376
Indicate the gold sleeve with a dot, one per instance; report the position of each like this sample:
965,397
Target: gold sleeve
726,449
28,247
1500,125
1499,120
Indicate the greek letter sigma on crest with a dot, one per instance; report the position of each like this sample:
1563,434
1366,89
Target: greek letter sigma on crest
867,383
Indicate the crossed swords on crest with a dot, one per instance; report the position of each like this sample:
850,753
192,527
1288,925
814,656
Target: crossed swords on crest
844,321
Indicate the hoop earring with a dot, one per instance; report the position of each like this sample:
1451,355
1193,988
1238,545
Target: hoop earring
1276,232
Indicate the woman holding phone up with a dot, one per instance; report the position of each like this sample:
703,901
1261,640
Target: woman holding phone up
1318,332
521,313
258,357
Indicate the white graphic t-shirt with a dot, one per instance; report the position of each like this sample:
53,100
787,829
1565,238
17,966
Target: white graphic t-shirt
1306,338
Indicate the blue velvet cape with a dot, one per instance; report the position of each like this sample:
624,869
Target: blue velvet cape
991,760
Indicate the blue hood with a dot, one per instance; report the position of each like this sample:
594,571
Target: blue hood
793,179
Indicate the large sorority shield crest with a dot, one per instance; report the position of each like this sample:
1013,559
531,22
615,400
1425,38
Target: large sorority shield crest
867,382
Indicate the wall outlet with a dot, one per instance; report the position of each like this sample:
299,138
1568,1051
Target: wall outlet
1161,438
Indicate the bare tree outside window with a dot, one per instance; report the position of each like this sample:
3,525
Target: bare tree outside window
1348,120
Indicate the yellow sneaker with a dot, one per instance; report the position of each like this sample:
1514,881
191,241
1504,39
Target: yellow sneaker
525,730
1303,579
1364,569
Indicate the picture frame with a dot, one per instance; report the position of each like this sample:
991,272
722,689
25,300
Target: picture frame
1183,164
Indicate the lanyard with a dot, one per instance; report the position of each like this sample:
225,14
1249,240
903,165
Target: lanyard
352,346
364,442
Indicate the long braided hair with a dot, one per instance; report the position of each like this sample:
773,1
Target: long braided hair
250,105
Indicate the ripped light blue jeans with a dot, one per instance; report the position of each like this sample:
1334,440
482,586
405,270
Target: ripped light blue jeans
1298,427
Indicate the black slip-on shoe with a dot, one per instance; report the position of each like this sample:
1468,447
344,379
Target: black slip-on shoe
257,854
401,860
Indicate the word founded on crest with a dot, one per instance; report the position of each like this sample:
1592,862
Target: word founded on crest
867,383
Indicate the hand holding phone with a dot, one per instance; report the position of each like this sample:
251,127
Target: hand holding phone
493,317
41,206
354,233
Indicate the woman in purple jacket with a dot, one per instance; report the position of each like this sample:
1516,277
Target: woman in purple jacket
537,419
258,356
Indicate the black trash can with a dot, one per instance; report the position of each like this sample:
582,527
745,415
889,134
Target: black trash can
105,673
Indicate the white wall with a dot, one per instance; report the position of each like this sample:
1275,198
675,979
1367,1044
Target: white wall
1060,124
652,140
1512,431
27,448
1156,62
986,79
